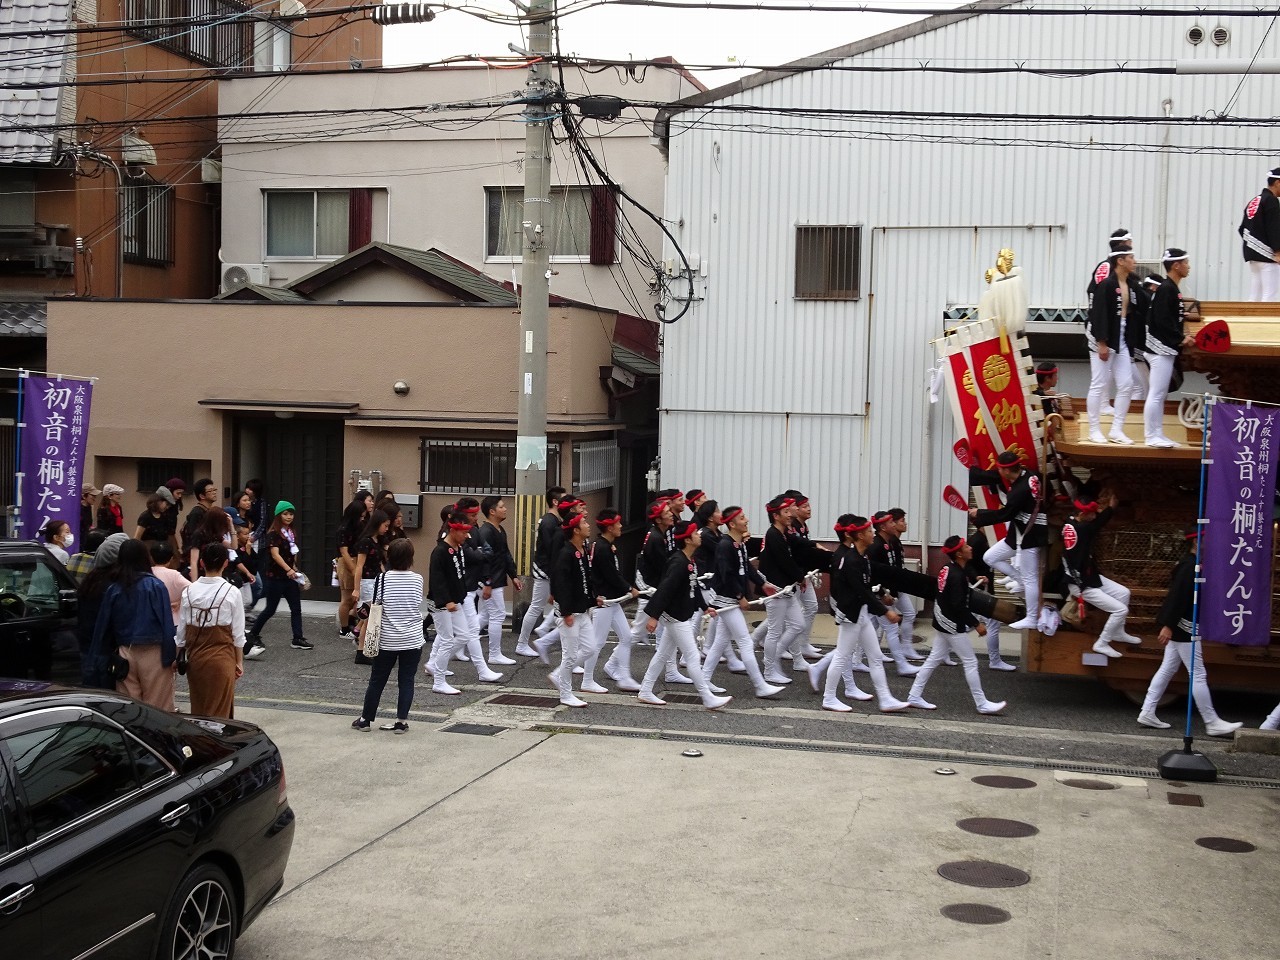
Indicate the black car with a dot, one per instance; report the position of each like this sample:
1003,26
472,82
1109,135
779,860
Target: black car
37,615
127,832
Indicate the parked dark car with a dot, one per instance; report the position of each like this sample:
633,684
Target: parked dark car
127,832
37,615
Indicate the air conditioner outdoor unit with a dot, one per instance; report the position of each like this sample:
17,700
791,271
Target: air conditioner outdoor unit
237,275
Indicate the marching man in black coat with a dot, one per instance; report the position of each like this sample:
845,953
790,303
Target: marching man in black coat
952,621
676,600
1165,340
1175,621
575,597
1116,335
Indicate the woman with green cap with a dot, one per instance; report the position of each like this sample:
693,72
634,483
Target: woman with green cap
281,579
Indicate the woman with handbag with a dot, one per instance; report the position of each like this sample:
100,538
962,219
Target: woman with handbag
283,581
211,637
134,631
393,636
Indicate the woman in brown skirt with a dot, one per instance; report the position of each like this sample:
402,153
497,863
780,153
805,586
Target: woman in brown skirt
211,629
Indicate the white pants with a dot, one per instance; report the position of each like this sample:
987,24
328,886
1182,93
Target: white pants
1112,598
732,629
453,633
962,647
537,603
678,635
603,619
1141,376
1264,283
495,611
1027,571
853,638
809,610
786,623
1176,653
1118,367
570,637
993,640
1153,411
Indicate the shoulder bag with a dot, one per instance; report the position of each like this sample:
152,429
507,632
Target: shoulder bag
372,636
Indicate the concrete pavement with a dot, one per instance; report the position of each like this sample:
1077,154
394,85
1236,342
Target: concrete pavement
532,845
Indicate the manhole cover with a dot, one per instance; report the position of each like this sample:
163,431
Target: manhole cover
983,873
681,697
523,700
995,827
1089,784
1225,845
1186,799
477,729
1005,783
975,913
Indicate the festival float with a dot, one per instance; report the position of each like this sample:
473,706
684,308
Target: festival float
1227,442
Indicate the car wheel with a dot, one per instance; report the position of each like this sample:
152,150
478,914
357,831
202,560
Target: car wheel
202,919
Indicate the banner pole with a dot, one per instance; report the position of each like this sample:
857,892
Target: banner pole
15,518
1201,523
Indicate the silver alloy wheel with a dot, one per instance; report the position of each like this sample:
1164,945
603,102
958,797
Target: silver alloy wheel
204,930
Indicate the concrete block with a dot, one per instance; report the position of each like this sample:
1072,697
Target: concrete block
1257,741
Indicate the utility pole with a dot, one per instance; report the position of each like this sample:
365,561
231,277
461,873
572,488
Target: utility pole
531,428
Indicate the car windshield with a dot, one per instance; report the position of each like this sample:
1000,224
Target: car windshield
28,588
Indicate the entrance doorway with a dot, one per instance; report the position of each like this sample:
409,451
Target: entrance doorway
298,459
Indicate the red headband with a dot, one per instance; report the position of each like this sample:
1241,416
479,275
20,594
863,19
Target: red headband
956,548
852,528
608,521
470,511
731,515
689,529
655,511
694,494
1048,372
880,518
781,505
1085,506
459,526
571,524
1192,535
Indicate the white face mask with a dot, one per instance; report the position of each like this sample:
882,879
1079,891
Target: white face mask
68,539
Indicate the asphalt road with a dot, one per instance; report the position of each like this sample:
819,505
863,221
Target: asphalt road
1048,720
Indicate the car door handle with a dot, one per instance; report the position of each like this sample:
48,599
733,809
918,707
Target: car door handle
10,902
176,814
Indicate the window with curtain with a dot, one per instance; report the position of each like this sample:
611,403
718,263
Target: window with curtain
317,223
574,213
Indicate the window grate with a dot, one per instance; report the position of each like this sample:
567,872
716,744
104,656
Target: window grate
219,36
147,218
595,465
828,262
476,466
153,473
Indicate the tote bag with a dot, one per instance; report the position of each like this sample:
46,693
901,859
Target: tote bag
372,636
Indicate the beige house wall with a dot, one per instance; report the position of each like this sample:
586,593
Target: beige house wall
163,358
434,179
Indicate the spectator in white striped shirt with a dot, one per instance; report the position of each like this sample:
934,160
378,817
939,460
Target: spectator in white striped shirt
399,590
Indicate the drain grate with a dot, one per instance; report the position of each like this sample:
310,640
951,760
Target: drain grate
1090,784
477,729
996,827
1186,799
983,873
524,700
975,913
1004,783
1226,845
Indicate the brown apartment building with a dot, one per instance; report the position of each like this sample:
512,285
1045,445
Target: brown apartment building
108,145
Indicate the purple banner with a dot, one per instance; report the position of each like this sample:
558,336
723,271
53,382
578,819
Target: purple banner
52,434
1235,598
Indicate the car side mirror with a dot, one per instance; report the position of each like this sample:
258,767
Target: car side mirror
68,603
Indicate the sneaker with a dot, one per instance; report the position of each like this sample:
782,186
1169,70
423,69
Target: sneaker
590,686
894,706
346,634
677,677
1106,649
651,698
1152,721
835,706
991,709
361,724
856,693
1095,436
715,703
765,691
1222,728
398,727
1117,437
569,700
302,643
1026,623
255,650
1128,638
998,664
1163,443
498,660
920,703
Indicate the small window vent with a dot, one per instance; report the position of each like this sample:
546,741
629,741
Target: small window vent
1195,35
1220,35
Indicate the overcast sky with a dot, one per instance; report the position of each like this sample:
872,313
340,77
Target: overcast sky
691,36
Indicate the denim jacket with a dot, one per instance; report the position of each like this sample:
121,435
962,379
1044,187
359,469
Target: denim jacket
137,617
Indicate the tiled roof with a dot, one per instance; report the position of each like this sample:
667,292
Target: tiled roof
31,60
257,291
23,318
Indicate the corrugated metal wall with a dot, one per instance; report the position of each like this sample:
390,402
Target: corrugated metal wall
761,392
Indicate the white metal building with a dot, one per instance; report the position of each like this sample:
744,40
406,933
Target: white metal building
798,367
